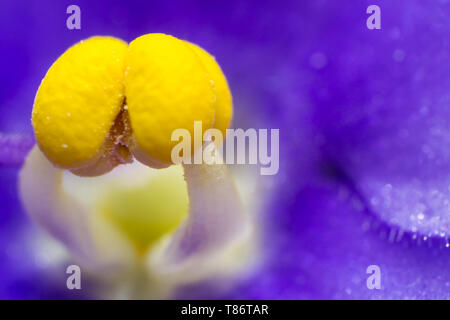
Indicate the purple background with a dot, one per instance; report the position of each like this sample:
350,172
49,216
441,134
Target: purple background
358,110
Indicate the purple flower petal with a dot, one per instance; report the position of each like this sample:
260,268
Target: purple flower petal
321,248
383,116
14,148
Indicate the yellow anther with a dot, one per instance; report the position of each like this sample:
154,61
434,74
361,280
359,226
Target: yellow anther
167,87
224,107
78,100
103,100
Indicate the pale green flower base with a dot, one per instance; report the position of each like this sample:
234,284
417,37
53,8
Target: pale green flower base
142,246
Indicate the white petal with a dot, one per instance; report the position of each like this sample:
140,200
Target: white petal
217,236
97,245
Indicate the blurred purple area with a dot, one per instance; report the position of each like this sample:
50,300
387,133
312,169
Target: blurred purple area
364,118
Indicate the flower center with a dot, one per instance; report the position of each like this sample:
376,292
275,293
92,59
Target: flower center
146,209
